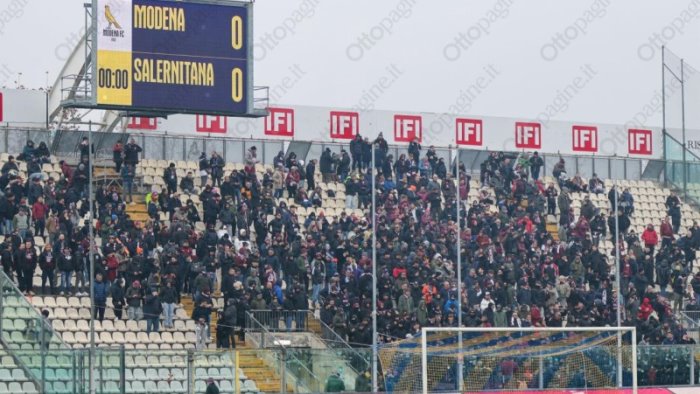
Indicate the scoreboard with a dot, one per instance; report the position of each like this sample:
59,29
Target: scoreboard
169,57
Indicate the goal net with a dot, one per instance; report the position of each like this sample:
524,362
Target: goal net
505,359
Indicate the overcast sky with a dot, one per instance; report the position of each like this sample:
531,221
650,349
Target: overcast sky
595,61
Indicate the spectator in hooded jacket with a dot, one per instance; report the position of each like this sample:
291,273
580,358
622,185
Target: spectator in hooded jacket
650,238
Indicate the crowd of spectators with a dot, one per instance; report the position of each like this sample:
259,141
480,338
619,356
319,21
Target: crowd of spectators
255,250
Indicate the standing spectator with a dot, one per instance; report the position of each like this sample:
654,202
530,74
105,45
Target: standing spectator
564,203
673,204
667,235
356,152
26,265
47,263
326,165
118,300
118,156
39,212
84,148
366,153
201,329
131,153
292,181
128,174
100,288
650,238
278,179
21,222
310,172
217,168
168,296
65,265
552,195
152,308
343,165
134,298
536,163
204,169
170,178
251,159
414,150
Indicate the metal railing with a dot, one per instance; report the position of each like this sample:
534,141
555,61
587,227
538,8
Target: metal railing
286,362
355,359
277,321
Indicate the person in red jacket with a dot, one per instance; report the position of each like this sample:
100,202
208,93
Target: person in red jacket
644,310
39,212
666,233
650,238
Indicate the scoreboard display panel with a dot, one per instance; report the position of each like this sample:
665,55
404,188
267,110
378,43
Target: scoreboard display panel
173,56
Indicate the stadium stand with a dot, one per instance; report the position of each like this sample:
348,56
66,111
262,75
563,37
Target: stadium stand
236,237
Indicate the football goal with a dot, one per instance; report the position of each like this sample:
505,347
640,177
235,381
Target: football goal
514,359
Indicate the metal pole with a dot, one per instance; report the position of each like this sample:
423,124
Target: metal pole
634,361
460,360
375,382
122,370
91,254
618,272
685,165
283,369
424,359
663,110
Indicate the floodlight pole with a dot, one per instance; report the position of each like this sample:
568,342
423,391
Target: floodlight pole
91,256
685,165
618,298
460,359
375,339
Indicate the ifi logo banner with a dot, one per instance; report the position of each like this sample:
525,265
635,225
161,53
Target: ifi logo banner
407,128
469,132
345,125
280,122
585,139
639,142
528,135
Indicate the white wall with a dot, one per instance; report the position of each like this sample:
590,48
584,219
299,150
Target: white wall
23,108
